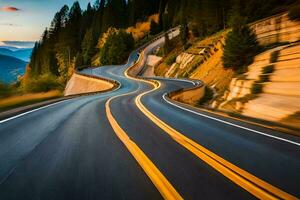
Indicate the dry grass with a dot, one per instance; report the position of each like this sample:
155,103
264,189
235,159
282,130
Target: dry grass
27,99
213,73
161,69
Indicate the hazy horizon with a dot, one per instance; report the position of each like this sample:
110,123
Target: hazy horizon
24,21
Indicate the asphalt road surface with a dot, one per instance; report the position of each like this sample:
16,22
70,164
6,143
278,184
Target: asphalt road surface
71,149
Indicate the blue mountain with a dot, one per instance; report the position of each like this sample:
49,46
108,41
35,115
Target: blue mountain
11,68
22,54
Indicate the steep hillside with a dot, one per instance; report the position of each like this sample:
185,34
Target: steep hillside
201,61
270,84
11,68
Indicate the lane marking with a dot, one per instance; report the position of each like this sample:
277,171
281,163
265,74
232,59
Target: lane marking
229,123
47,106
31,111
244,179
225,122
158,179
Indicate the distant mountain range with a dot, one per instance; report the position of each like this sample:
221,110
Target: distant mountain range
22,54
13,62
11,68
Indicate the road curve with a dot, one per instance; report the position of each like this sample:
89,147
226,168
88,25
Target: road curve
135,143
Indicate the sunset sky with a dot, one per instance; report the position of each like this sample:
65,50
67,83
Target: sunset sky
25,20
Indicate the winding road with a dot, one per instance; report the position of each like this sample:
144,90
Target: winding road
136,143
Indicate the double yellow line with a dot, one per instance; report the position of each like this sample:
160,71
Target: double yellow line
158,179
244,179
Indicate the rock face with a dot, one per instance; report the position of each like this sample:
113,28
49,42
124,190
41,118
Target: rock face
279,98
276,29
79,84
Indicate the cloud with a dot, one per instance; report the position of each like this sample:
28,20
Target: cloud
9,9
9,24
18,44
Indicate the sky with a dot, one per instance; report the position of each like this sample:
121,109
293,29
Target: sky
25,20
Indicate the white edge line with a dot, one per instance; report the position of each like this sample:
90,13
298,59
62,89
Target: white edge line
43,107
232,124
31,111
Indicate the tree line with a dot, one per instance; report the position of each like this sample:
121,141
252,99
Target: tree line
74,36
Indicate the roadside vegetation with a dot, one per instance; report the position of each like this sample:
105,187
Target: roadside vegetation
240,45
209,94
34,91
15,101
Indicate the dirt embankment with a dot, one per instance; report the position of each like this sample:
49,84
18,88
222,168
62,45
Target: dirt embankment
270,90
202,61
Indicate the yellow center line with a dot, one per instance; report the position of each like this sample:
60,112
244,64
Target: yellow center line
244,179
158,179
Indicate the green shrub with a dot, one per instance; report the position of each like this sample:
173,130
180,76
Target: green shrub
43,83
257,88
154,28
294,12
160,52
274,56
240,46
268,69
264,78
168,45
209,94
116,48
195,65
171,59
187,46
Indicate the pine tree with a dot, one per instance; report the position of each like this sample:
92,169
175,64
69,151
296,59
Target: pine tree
184,32
87,47
167,45
154,28
240,46
116,48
